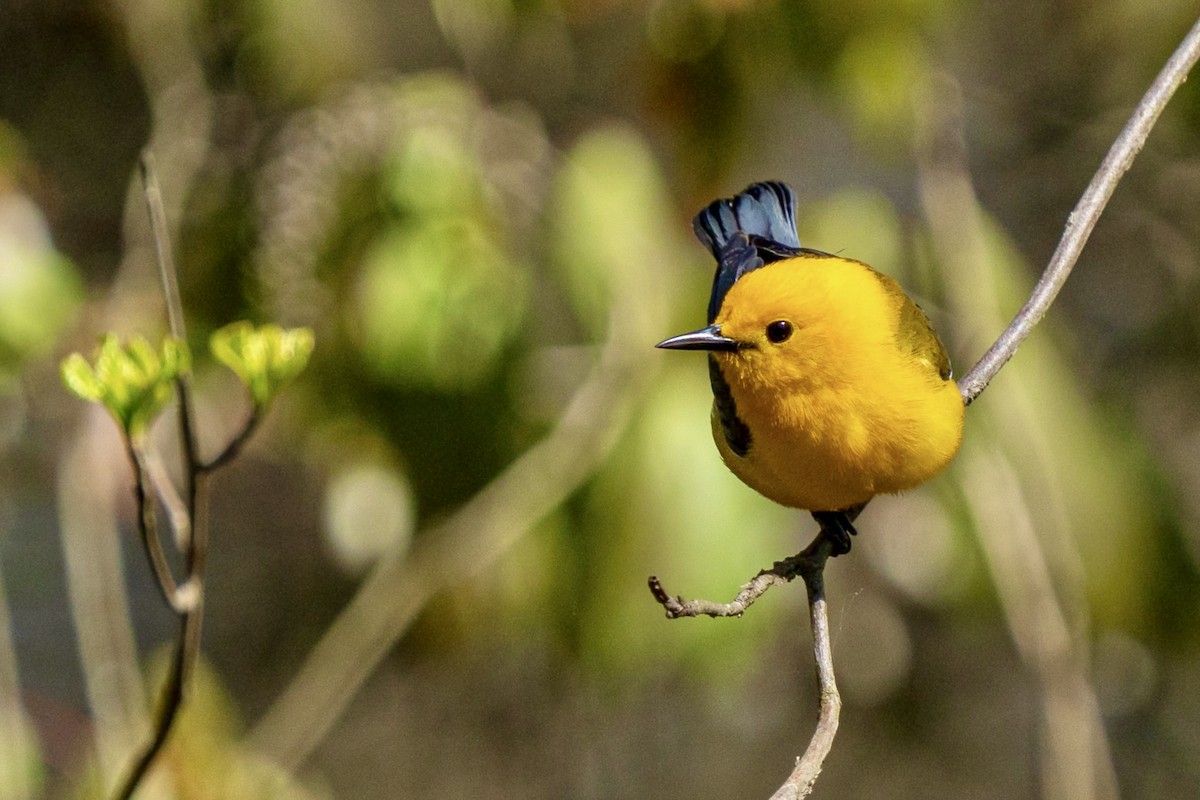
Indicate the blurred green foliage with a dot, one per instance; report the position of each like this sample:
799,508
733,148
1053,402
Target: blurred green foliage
39,288
465,200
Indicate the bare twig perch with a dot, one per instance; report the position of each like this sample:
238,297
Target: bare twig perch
810,564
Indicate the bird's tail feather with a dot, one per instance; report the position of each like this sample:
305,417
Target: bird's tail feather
764,210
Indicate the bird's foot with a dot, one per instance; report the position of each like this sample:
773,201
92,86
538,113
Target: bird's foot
838,528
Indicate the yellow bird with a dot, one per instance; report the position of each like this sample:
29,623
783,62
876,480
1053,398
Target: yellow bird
830,385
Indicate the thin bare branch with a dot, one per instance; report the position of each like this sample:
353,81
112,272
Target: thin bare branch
811,559
808,767
234,448
1079,227
162,246
1083,218
677,607
168,497
148,529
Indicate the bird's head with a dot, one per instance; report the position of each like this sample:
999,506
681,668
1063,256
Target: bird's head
769,329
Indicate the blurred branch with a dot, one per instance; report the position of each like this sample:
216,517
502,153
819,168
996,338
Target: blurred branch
809,564
1077,762
162,47
234,448
1083,217
88,480
148,530
168,496
18,753
467,543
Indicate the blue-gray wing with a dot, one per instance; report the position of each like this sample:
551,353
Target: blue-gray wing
744,232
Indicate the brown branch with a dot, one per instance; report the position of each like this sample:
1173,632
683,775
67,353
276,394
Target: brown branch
148,532
800,783
808,561
234,448
470,540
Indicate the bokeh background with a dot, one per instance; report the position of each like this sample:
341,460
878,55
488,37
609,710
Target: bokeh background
428,571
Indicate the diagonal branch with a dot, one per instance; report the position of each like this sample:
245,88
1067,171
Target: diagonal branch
234,448
168,496
469,541
810,560
1083,218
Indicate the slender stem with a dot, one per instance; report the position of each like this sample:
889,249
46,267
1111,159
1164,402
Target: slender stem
809,564
162,245
808,767
168,496
174,305
1083,217
195,549
187,600
148,530
169,706
234,448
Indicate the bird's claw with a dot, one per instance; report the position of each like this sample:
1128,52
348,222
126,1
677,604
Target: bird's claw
837,528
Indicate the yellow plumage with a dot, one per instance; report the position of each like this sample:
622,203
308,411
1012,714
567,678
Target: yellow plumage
852,404
830,385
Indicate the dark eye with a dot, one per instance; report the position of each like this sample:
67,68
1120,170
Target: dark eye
779,331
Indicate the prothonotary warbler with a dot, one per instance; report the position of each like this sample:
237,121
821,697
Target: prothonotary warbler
829,384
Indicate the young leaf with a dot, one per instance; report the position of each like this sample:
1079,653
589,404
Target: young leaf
133,381
265,358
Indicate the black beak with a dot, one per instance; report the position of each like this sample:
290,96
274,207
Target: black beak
709,338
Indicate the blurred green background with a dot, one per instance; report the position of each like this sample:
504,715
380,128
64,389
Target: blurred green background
428,571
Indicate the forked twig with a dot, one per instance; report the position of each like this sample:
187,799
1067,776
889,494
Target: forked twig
187,600
809,565
148,529
809,561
